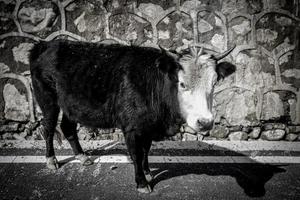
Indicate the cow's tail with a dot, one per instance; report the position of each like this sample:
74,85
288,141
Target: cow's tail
38,49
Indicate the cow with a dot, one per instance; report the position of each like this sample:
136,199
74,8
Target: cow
146,92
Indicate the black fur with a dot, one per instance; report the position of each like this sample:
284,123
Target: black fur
104,86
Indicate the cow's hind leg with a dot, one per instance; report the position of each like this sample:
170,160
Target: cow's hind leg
146,148
49,124
69,129
134,144
46,98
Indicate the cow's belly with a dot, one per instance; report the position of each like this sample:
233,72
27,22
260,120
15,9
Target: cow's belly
82,111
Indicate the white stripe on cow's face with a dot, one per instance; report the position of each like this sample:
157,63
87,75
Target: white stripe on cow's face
195,91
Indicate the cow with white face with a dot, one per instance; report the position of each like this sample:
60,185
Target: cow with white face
141,90
200,72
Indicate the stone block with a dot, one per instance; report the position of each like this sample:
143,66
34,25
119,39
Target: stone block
200,137
178,27
219,132
189,137
272,107
177,137
237,136
204,133
16,104
11,127
204,26
7,136
294,129
235,128
271,126
236,107
273,135
266,35
255,133
6,22
18,137
291,137
130,28
188,129
243,28
38,17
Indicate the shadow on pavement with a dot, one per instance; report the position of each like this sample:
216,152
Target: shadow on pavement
252,176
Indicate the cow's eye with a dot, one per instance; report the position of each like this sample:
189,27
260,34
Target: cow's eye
182,85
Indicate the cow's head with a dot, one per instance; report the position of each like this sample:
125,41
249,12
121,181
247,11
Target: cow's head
196,80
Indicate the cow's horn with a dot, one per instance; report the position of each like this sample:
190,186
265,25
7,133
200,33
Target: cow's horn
222,55
200,52
193,50
163,50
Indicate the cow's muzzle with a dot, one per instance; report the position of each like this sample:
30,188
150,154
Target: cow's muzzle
205,124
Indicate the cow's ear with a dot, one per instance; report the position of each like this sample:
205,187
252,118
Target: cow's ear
224,69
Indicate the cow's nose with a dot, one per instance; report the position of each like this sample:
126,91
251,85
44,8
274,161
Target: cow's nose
205,124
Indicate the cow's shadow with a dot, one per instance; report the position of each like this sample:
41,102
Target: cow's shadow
251,176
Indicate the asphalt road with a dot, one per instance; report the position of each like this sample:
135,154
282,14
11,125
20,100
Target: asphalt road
114,180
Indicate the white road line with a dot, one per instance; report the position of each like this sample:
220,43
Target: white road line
200,145
161,159
7,159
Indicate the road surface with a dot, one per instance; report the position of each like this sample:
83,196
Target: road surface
182,170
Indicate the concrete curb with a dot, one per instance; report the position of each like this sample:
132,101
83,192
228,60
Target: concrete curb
159,159
203,145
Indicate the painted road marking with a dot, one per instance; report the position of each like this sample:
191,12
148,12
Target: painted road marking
161,159
201,145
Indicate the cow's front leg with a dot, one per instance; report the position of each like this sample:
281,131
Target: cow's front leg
134,145
69,130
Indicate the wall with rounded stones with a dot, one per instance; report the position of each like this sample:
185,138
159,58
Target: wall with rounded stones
260,101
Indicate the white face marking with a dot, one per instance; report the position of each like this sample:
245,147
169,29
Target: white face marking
195,91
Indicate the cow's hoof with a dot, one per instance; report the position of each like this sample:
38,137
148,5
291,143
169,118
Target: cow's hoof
145,190
84,160
149,177
52,163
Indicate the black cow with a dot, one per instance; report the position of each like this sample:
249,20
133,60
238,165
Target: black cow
141,90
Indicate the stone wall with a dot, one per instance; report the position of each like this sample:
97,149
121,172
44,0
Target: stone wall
261,100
